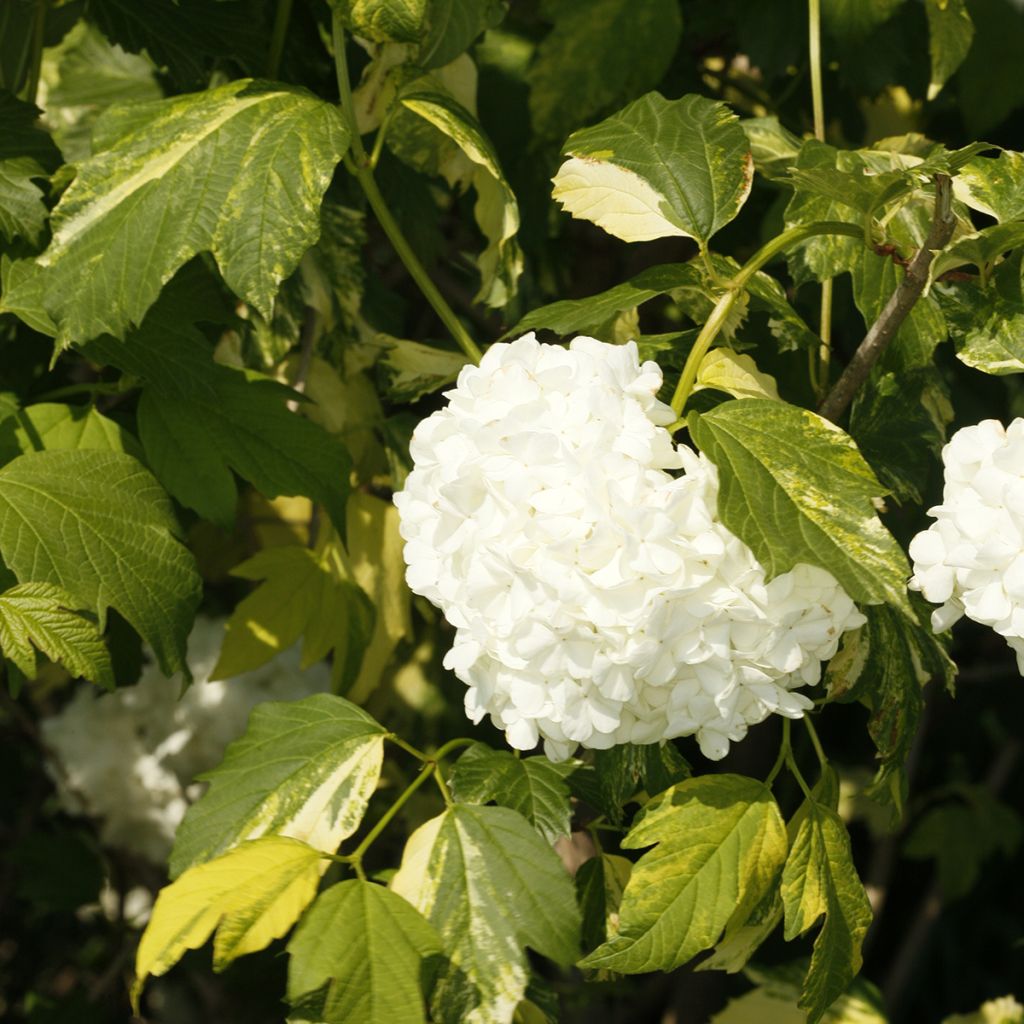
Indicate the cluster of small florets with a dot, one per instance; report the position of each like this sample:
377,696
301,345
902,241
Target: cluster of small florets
129,758
596,596
971,559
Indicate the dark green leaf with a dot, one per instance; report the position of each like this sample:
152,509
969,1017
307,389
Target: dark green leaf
199,420
533,786
600,53
950,33
600,883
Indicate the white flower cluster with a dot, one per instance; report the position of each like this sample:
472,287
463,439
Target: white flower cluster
596,597
971,559
129,757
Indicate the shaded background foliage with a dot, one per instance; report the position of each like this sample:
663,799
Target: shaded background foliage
949,933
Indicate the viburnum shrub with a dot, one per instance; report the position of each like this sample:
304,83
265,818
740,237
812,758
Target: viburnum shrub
490,455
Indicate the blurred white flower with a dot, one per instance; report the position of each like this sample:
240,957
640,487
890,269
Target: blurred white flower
129,758
971,559
596,597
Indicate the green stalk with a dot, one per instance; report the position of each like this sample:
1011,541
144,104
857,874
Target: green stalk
38,39
281,18
719,315
819,372
356,856
362,169
818,748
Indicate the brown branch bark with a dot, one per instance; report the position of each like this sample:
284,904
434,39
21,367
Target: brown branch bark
900,303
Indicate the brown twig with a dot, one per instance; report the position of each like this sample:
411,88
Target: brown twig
900,303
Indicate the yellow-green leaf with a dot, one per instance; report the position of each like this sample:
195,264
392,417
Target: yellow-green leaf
250,896
735,374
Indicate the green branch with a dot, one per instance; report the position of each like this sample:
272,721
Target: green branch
361,166
734,288
281,18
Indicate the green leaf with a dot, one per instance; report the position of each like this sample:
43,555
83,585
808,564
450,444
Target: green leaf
578,316
819,879
795,489
385,21
987,88
981,248
304,769
777,993
773,146
950,34
533,786
21,134
251,896
413,370
626,768
44,615
961,834
199,420
885,664
987,327
747,929
894,419
97,524
994,185
853,20
600,883
736,375
452,27
1005,1010
50,426
599,54
496,210
658,168
720,842
357,958
302,593
875,278
238,170
26,154
84,75
824,256
187,39
490,886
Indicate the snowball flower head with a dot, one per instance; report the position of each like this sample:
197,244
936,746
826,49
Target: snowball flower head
129,757
970,561
596,597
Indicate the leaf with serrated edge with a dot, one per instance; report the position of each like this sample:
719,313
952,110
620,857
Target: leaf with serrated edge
533,786
305,594
251,896
43,615
356,958
496,209
819,879
490,885
720,841
303,768
49,426
97,524
658,168
199,420
238,171
795,489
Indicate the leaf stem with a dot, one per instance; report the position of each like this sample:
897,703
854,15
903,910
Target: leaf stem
116,387
819,363
719,315
783,751
361,167
281,18
896,310
818,748
38,39
356,856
